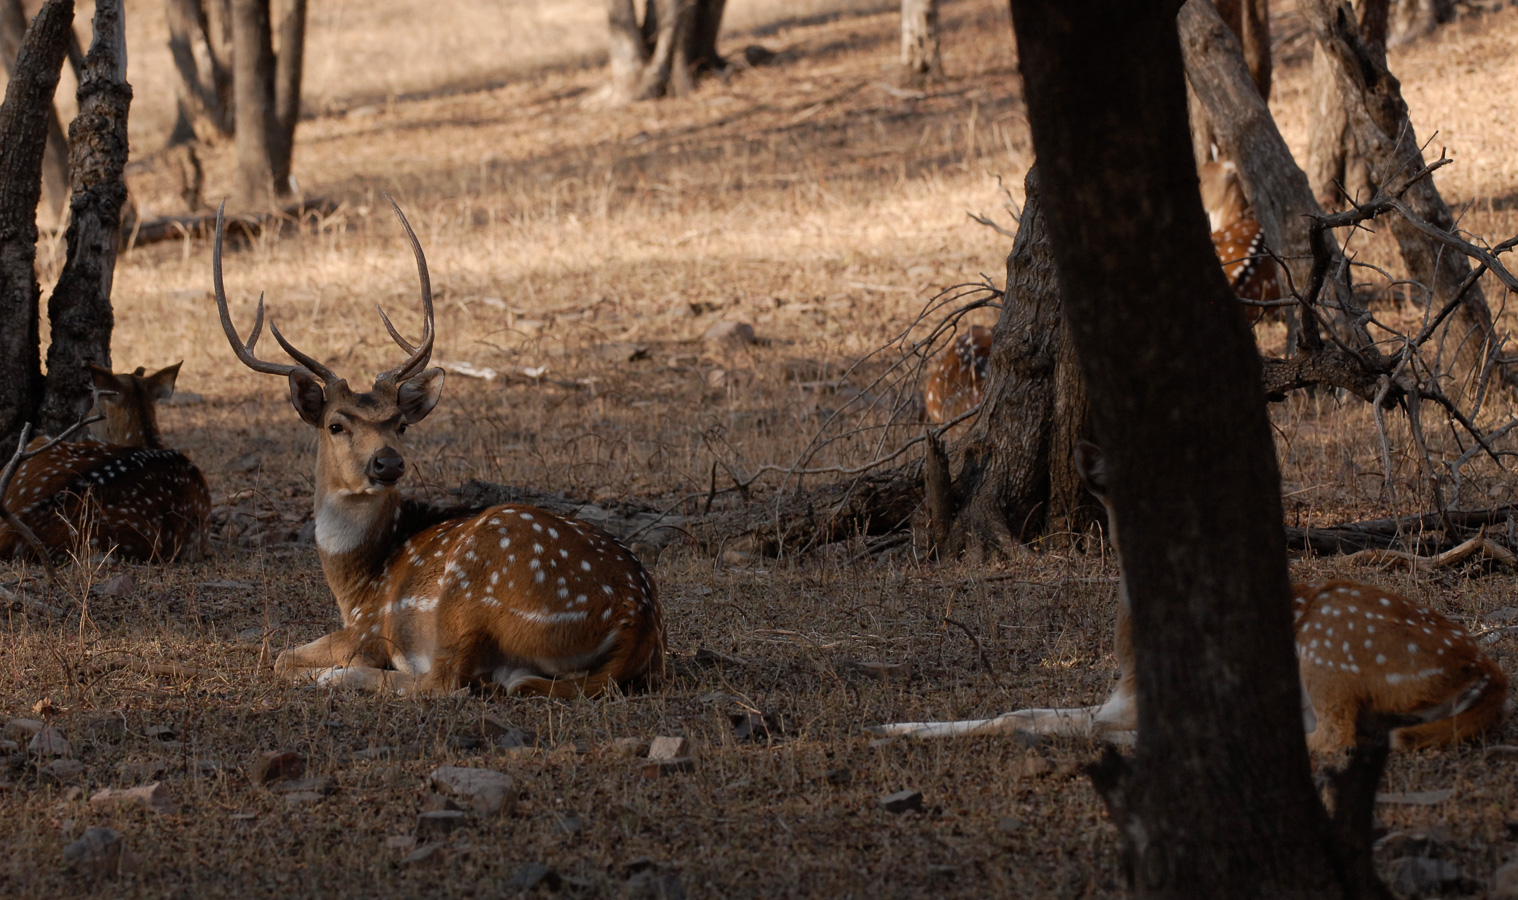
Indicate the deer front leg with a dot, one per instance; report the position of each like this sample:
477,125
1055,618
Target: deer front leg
339,659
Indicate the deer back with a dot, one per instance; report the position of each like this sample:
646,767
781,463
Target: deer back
956,381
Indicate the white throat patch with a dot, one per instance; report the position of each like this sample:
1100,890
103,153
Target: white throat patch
340,526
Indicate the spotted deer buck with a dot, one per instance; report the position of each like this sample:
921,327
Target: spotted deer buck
1359,649
123,493
433,599
957,378
1238,238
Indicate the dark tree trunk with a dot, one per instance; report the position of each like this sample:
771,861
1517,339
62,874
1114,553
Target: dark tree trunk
1383,132
1218,800
23,139
920,54
1335,165
267,97
1249,20
55,161
662,55
79,311
200,43
1015,481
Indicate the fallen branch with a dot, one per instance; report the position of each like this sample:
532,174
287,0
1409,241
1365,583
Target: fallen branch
203,225
1478,544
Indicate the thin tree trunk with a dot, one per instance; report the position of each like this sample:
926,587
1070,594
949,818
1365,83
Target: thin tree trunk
201,57
55,161
1218,800
920,54
1335,166
701,40
287,81
23,141
253,88
1383,131
79,311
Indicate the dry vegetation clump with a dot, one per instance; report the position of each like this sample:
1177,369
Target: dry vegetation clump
582,255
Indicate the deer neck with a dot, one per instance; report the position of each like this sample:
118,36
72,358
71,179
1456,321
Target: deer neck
355,533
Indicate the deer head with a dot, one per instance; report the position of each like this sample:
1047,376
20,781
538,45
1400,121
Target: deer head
129,404
359,433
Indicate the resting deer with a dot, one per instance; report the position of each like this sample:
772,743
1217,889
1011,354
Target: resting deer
125,492
433,599
958,376
1358,648
1237,237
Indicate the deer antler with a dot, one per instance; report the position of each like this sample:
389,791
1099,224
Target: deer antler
421,354
245,351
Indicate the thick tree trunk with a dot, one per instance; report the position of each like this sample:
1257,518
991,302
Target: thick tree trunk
1382,130
1218,800
1333,157
287,80
920,54
267,96
55,161
200,44
79,310
662,55
23,139
1249,20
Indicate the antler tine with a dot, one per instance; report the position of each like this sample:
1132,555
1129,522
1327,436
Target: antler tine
244,351
420,354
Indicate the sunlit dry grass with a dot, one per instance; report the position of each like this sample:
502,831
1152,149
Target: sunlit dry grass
805,198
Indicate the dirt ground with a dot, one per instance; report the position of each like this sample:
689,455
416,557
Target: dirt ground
581,253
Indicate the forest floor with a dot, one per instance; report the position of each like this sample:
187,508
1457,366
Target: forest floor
582,253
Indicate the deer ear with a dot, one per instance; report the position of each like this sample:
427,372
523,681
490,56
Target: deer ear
418,394
161,383
308,396
103,379
1091,466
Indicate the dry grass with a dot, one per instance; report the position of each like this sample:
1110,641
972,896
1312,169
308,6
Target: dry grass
801,197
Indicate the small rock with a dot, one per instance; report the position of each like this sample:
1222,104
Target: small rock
657,768
97,852
432,801
114,588
628,747
437,823
276,765
1502,616
152,797
568,824
839,777
750,726
307,533
9,746
493,726
1008,825
1505,883
321,784
426,855
668,748
739,333
707,657
532,875
901,801
48,742
22,729
248,462
1033,765
488,791
1418,875
465,742
61,770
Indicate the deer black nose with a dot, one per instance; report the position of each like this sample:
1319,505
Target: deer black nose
386,466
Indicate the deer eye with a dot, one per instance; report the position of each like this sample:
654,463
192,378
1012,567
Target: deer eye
336,428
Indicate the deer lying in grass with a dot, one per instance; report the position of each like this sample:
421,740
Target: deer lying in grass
432,599
1238,239
958,376
123,493
1358,647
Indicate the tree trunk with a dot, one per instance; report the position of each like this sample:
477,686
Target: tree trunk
1218,800
662,55
1378,118
1412,19
23,139
200,44
287,80
55,161
1333,157
79,310
919,38
1249,20
267,97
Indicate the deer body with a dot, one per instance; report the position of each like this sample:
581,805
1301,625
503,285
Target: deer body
1359,648
957,380
433,599
1238,238
125,493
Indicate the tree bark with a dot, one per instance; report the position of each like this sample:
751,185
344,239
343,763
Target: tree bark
200,44
23,139
701,40
55,161
287,80
1333,157
79,311
1218,800
920,54
1249,20
662,55
266,89
1383,131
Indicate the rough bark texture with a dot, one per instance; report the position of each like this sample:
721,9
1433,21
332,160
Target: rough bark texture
662,55
23,138
1378,118
920,54
266,89
1334,160
1249,20
79,311
200,42
55,161
288,69
1218,800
